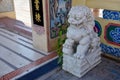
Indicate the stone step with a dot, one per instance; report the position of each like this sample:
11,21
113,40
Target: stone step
16,26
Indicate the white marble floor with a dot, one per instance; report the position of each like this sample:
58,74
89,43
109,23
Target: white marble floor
15,52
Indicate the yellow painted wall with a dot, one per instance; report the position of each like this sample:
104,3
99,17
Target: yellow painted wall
8,14
104,4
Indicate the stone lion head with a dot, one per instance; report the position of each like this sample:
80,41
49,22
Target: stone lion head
81,15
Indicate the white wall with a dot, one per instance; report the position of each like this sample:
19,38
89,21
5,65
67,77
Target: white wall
22,10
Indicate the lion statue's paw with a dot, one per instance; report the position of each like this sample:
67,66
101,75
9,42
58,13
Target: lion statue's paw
79,56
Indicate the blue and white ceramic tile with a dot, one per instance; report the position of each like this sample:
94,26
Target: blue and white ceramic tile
115,35
110,50
111,14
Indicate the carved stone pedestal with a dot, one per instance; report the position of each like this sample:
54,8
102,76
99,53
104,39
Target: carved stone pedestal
79,67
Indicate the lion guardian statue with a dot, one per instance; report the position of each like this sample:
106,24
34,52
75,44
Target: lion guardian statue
81,38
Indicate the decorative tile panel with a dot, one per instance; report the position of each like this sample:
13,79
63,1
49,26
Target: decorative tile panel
112,33
58,16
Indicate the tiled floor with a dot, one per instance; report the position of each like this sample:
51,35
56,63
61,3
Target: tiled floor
106,70
17,52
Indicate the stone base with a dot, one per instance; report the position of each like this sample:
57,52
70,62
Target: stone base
80,67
